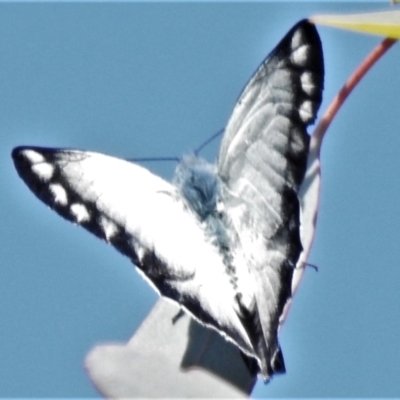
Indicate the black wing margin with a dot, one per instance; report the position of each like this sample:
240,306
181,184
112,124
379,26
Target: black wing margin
262,162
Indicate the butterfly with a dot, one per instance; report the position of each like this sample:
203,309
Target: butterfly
222,240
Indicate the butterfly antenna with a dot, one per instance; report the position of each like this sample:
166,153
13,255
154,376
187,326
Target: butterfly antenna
210,139
196,152
146,159
313,266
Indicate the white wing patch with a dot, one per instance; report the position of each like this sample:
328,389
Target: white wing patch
307,84
306,111
33,156
43,170
59,194
80,212
297,40
109,227
301,55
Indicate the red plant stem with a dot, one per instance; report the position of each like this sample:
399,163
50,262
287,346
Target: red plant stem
337,102
318,135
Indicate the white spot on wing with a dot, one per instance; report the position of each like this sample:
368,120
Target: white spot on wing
307,83
59,194
109,228
300,56
306,111
43,170
33,156
80,212
140,252
297,40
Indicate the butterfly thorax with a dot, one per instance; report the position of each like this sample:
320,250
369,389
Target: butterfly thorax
200,186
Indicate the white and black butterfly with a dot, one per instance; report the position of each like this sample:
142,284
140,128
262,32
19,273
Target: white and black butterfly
222,240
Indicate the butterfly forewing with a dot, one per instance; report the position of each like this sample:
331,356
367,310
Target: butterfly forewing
142,216
117,201
262,163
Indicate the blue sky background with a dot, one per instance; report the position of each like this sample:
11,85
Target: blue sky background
136,80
